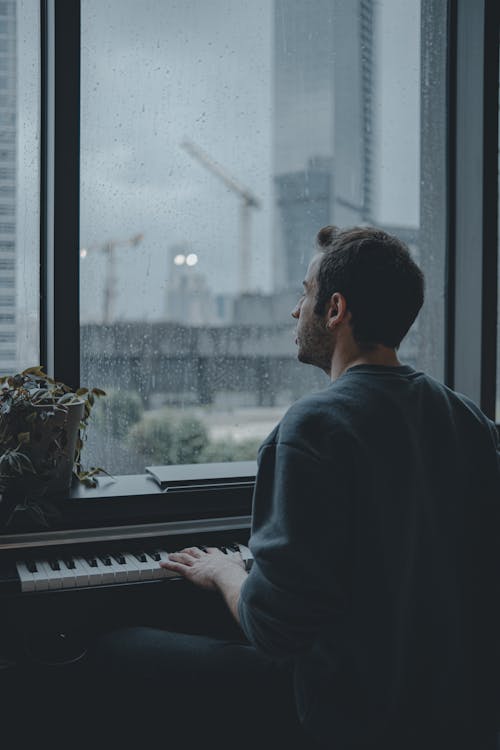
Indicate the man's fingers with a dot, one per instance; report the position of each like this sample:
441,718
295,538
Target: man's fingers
174,566
194,551
183,557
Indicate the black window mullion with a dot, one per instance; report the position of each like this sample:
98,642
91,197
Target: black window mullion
66,189
44,291
451,136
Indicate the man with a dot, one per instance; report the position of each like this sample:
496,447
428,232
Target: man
375,532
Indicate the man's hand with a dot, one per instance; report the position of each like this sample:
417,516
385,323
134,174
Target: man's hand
204,569
211,569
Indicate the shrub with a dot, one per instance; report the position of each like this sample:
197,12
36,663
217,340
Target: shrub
228,450
164,437
117,413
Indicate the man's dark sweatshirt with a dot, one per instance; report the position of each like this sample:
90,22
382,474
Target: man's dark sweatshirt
376,538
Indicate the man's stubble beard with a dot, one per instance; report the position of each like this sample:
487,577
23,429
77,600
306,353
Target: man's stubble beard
315,348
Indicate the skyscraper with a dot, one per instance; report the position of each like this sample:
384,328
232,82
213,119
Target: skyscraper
323,124
8,163
354,125
303,132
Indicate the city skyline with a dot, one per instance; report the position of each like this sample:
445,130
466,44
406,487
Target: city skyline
137,178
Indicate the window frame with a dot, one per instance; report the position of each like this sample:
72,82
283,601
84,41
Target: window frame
472,247
471,182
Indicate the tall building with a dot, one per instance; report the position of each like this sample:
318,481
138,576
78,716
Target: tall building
303,201
303,132
8,164
354,116
323,124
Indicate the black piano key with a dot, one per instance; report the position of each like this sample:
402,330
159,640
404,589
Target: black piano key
120,559
234,547
70,564
105,559
54,564
223,549
92,562
140,556
31,565
155,556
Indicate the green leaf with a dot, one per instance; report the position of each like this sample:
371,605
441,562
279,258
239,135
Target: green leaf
37,370
66,398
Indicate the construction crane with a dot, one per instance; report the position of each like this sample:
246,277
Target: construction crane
248,202
108,248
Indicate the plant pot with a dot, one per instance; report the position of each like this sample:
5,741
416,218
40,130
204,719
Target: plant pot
55,466
50,447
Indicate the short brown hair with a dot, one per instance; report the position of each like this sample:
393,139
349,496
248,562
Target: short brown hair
382,284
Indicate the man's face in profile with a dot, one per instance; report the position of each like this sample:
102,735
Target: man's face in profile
312,337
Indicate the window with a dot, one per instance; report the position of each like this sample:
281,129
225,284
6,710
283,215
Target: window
204,172
216,139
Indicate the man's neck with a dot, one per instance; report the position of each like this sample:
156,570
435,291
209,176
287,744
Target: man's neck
344,360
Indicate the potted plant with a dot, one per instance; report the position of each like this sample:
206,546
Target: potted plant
43,426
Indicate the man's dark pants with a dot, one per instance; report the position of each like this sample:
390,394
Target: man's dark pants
154,684
186,688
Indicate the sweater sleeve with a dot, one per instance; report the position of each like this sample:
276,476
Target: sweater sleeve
299,541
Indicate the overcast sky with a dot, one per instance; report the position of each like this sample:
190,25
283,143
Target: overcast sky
156,72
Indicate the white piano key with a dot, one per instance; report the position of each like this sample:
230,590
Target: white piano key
53,576
94,574
67,575
134,572
81,574
108,574
246,556
26,576
132,567
119,569
145,568
41,578
159,572
109,571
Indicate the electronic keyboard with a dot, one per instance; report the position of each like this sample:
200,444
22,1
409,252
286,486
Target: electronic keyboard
38,572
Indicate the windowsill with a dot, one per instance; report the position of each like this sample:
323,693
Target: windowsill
137,499
180,478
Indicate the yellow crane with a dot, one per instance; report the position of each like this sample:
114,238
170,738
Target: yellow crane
108,248
248,201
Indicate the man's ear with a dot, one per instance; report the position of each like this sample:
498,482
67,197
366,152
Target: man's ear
336,310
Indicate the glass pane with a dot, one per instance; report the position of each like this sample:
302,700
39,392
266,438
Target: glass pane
19,183
217,139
